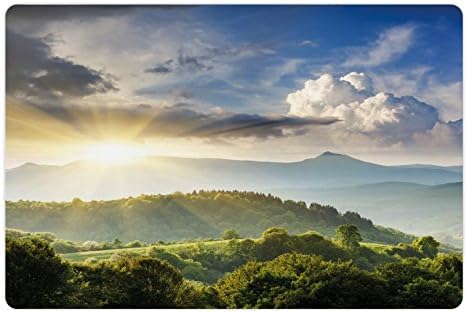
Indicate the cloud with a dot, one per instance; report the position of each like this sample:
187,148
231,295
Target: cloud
323,93
162,68
359,81
208,58
34,73
184,122
273,74
255,125
176,121
50,13
308,43
447,97
391,44
423,83
382,117
443,136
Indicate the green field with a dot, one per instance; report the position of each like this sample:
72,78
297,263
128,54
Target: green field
176,248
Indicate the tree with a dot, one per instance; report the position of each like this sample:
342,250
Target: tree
348,236
431,294
448,267
427,245
130,282
149,282
399,274
300,281
274,242
35,276
77,202
230,234
117,243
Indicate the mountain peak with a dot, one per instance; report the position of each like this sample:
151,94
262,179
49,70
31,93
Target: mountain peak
29,164
329,153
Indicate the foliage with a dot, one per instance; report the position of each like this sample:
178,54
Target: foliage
278,270
178,216
68,246
404,250
35,276
230,234
295,280
348,236
302,281
427,245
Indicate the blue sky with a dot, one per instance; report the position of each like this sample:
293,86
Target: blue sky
379,82
323,35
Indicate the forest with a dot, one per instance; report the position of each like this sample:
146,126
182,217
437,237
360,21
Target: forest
275,270
186,216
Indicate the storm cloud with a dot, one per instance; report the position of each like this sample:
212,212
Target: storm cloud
35,74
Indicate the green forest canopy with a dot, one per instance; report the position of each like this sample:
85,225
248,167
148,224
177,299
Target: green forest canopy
178,216
276,270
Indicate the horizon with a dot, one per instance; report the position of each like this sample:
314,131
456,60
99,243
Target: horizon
327,152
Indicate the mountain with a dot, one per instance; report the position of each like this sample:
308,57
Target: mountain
98,180
204,214
454,168
414,208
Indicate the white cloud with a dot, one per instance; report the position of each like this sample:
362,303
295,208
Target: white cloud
382,117
390,44
359,80
129,48
321,94
443,136
308,43
422,83
446,97
286,67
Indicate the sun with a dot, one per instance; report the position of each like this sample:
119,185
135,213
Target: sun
113,152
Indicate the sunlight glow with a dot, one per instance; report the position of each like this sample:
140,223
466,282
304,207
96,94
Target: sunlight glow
113,152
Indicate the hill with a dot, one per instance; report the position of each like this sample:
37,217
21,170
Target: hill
454,168
203,214
414,208
95,180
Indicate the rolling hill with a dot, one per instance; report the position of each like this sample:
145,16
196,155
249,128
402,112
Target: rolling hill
204,214
414,208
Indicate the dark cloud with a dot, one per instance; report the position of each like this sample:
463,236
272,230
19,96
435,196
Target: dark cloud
33,73
180,121
159,69
241,49
456,126
183,63
162,68
37,16
190,63
255,125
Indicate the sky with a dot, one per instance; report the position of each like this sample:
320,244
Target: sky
273,83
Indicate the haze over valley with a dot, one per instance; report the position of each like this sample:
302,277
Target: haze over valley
395,196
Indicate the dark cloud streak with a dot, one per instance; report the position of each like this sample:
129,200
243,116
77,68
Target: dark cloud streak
184,122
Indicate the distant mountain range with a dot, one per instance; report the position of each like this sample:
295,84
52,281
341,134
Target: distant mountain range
454,168
97,180
417,199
